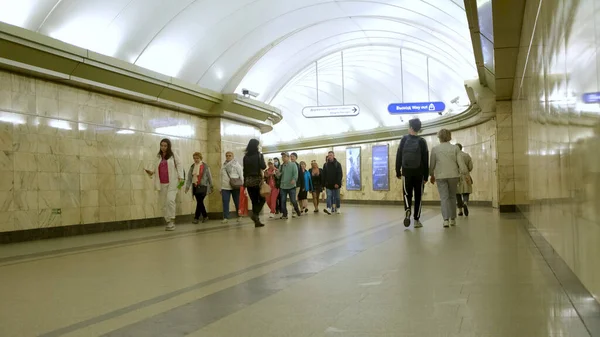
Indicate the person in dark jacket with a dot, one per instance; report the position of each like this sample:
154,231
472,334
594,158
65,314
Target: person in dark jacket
294,159
332,180
254,165
412,166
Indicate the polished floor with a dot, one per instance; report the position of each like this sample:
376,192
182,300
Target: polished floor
360,273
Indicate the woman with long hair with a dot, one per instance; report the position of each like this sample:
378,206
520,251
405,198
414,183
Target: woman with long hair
200,179
315,175
305,186
446,165
254,165
168,175
277,165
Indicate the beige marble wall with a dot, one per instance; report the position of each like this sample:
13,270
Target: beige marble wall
477,141
83,153
556,135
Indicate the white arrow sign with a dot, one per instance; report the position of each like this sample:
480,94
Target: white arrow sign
330,111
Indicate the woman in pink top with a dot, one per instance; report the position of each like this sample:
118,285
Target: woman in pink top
270,173
170,175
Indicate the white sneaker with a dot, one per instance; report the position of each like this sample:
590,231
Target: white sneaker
453,222
271,215
446,223
225,221
338,211
170,227
418,224
294,215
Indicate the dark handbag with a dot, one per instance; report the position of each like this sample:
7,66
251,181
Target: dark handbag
235,183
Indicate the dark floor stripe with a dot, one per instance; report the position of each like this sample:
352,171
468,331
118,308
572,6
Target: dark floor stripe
5,261
183,320
136,306
582,300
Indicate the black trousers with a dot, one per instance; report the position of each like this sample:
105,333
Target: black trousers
413,185
257,200
200,209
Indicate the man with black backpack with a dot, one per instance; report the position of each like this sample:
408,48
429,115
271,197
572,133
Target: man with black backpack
412,165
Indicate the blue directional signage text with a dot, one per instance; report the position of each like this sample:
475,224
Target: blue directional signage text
591,98
416,108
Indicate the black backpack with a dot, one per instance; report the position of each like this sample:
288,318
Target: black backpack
411,153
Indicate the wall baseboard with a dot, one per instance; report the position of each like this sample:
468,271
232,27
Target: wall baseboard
582,300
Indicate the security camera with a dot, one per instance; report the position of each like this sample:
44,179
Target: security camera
455,100
247,93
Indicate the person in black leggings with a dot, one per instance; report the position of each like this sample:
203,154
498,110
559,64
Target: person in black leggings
254,165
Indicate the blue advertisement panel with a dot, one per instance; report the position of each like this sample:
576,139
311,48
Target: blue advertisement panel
353,169
381,178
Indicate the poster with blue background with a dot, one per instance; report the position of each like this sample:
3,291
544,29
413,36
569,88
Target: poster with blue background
381,179
353,169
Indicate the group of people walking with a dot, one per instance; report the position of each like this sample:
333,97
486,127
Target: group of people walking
275,181
447,166
290,179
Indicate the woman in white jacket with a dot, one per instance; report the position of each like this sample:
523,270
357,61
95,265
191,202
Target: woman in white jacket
231,171
446,166
168,174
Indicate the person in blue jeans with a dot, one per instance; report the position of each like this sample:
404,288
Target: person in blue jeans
288,176
332,179
231,169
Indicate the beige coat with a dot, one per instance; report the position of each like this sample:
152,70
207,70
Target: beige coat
465,184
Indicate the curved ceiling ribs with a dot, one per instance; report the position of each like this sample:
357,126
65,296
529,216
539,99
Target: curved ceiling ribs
269,46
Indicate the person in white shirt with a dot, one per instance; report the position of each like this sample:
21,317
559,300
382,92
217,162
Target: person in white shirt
232,178
446,165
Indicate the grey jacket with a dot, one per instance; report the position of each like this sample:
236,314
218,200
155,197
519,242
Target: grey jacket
447,162
206,179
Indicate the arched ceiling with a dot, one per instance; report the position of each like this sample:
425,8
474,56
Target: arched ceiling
262,45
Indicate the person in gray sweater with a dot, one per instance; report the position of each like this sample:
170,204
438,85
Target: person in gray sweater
446,165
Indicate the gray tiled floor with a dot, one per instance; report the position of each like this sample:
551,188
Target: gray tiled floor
356,274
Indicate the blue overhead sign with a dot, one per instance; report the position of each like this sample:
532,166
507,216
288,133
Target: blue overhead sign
591,97
416,108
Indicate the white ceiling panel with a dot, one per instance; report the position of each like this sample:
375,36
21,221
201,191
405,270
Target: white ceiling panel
271,46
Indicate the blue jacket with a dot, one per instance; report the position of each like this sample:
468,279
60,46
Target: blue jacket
307,181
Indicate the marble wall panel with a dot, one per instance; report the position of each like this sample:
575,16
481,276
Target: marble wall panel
83,152
556,135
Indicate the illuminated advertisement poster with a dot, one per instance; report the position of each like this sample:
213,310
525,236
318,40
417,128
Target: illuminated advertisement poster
353,169
381,179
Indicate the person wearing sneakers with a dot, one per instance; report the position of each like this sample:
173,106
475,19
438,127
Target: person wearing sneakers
465,185
332,180
447,165
412,166
288,176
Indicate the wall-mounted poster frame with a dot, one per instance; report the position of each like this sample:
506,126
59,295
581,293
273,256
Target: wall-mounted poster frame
353,181
381,168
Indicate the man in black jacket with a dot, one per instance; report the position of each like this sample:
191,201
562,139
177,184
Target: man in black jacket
412,164
332,179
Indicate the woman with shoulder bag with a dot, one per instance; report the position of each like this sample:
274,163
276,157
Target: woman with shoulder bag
232,179
254,165
200,179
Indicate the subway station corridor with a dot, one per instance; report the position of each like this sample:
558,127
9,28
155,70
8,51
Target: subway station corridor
360,273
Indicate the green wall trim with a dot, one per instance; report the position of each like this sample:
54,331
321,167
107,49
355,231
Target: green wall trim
37,55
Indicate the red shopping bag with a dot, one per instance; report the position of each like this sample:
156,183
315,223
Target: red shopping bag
243,211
